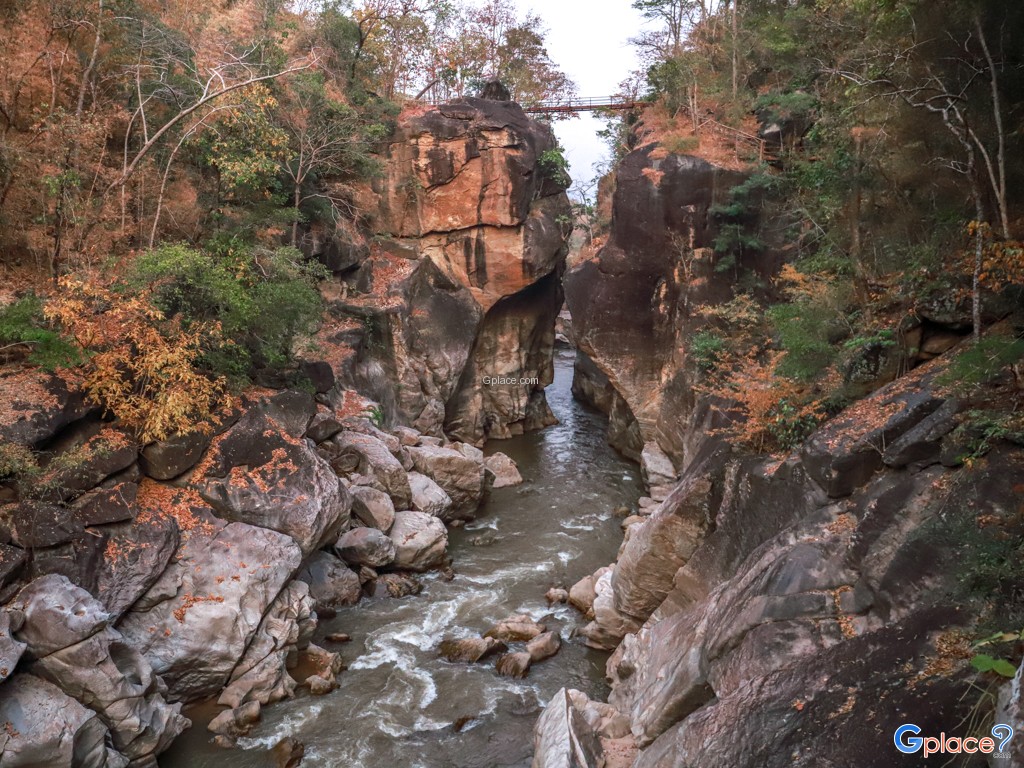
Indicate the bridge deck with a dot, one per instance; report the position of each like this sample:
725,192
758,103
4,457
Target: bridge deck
584,105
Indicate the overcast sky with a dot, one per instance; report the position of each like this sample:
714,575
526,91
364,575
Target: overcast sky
588,40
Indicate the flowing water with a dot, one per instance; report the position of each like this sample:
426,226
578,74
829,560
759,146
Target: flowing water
399,705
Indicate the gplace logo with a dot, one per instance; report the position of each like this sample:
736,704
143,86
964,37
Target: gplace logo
909,741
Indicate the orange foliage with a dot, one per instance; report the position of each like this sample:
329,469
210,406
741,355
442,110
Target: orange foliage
771,407
143,367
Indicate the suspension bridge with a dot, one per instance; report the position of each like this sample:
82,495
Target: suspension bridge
590,104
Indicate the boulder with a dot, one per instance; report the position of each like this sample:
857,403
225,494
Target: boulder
44,727
134,554
395,585
658,473
10,648
37,525
374,508
195,623
236,722
79,465
516,628
556,595
428,496
372,457
11,561
288,753
105,506
57,614
262,673
323,428
505,471
470,649
515,665
563,738
332,584
260,475
291,411
544,646
113,679
583,592
462,478
848,450
366,546
420,541
34,407
171,458
609,625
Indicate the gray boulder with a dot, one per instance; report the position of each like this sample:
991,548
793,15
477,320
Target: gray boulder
428,496
332,584
366,546
262,673
420,541
505,471
258,474
461,477
373,508
369,456
46,729
195,623
563,738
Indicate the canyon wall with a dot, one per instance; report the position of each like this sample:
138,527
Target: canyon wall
764,610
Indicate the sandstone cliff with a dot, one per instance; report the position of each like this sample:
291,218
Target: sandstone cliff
763,610
461,285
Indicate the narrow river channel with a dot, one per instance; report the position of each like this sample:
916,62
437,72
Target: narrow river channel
399,705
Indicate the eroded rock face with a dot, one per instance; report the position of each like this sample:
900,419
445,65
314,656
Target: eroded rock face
65,632
195,623
631,304
467,217
49,728
752,584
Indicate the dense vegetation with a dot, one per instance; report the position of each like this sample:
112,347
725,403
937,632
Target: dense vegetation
884,149
883,141
165,165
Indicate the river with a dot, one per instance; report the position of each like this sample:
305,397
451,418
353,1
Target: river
399,705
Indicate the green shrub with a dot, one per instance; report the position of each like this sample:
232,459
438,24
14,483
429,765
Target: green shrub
707,349
982,362
22,323
802,329
263,300
554,166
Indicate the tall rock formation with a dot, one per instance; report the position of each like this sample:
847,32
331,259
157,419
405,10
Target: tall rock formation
632,304
459,294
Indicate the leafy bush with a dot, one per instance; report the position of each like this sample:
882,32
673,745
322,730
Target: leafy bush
707,349
989,565
16,462
802,329
261,300
23,323
555,166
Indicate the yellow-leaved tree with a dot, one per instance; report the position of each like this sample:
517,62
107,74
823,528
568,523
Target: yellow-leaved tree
141,367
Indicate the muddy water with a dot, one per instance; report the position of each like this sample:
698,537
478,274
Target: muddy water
399,706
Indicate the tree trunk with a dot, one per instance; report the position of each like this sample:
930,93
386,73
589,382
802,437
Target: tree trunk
735,48
998,183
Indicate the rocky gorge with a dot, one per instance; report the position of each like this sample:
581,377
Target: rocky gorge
759,611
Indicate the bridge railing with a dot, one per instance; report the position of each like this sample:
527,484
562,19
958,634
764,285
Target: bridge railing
585,104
